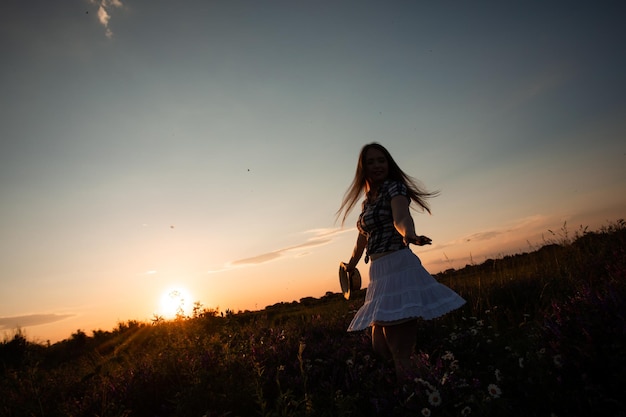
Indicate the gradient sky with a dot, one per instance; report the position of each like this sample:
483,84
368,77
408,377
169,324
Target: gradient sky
204,146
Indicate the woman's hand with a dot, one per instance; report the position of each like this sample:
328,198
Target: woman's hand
418,240
403,222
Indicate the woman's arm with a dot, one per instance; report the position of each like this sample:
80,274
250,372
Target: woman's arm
359,247
403,221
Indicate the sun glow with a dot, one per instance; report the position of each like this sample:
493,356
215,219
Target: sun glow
175,301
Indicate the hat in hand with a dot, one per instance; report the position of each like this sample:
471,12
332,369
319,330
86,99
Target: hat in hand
349,281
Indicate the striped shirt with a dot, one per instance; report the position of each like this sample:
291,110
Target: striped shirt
376,220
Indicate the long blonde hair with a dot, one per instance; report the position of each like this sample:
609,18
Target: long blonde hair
416,192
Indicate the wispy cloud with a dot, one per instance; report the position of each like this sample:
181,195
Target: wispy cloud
496,242
320,237
526,225
541,83
104,6
269,256
30,320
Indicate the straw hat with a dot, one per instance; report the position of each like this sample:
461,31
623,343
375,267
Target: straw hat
349,281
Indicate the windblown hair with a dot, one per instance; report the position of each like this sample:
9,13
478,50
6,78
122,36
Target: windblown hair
360,185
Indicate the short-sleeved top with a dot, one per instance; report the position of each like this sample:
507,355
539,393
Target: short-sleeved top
376,219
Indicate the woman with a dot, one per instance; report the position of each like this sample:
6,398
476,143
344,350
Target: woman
400,289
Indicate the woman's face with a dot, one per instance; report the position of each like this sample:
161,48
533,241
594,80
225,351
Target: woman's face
376,166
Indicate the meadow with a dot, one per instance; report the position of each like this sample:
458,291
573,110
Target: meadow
542,334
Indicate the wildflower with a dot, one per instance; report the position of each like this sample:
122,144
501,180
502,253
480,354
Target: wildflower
444,379
434,398
425,383
494,390
498,375
557,360
480,323
448,356
349,362
466,411
426,412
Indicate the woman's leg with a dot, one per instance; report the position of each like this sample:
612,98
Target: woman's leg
379,343
400,340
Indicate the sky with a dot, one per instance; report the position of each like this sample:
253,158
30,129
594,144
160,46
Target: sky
199,150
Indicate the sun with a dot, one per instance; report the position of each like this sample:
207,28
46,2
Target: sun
175,301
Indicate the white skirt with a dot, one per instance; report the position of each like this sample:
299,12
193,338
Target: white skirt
401,289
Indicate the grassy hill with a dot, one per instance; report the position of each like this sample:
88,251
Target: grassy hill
542,334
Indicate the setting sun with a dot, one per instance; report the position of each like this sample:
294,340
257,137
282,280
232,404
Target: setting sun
175,301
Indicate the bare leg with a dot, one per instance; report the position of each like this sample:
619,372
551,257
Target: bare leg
379,343
400,340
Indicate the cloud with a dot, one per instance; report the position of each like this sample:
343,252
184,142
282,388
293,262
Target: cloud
103,13
270,256
259,259
31,320
541,83
494,243
482,236
320,237
103,16
526,225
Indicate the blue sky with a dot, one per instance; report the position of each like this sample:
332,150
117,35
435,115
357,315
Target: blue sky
205,145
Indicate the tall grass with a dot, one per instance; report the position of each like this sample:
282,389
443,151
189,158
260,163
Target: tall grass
543,334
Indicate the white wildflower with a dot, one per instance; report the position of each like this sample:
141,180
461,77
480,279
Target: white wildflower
425,383
434,398
448,356
498,375
494,390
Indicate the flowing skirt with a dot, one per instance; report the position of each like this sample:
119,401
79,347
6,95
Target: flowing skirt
401,289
